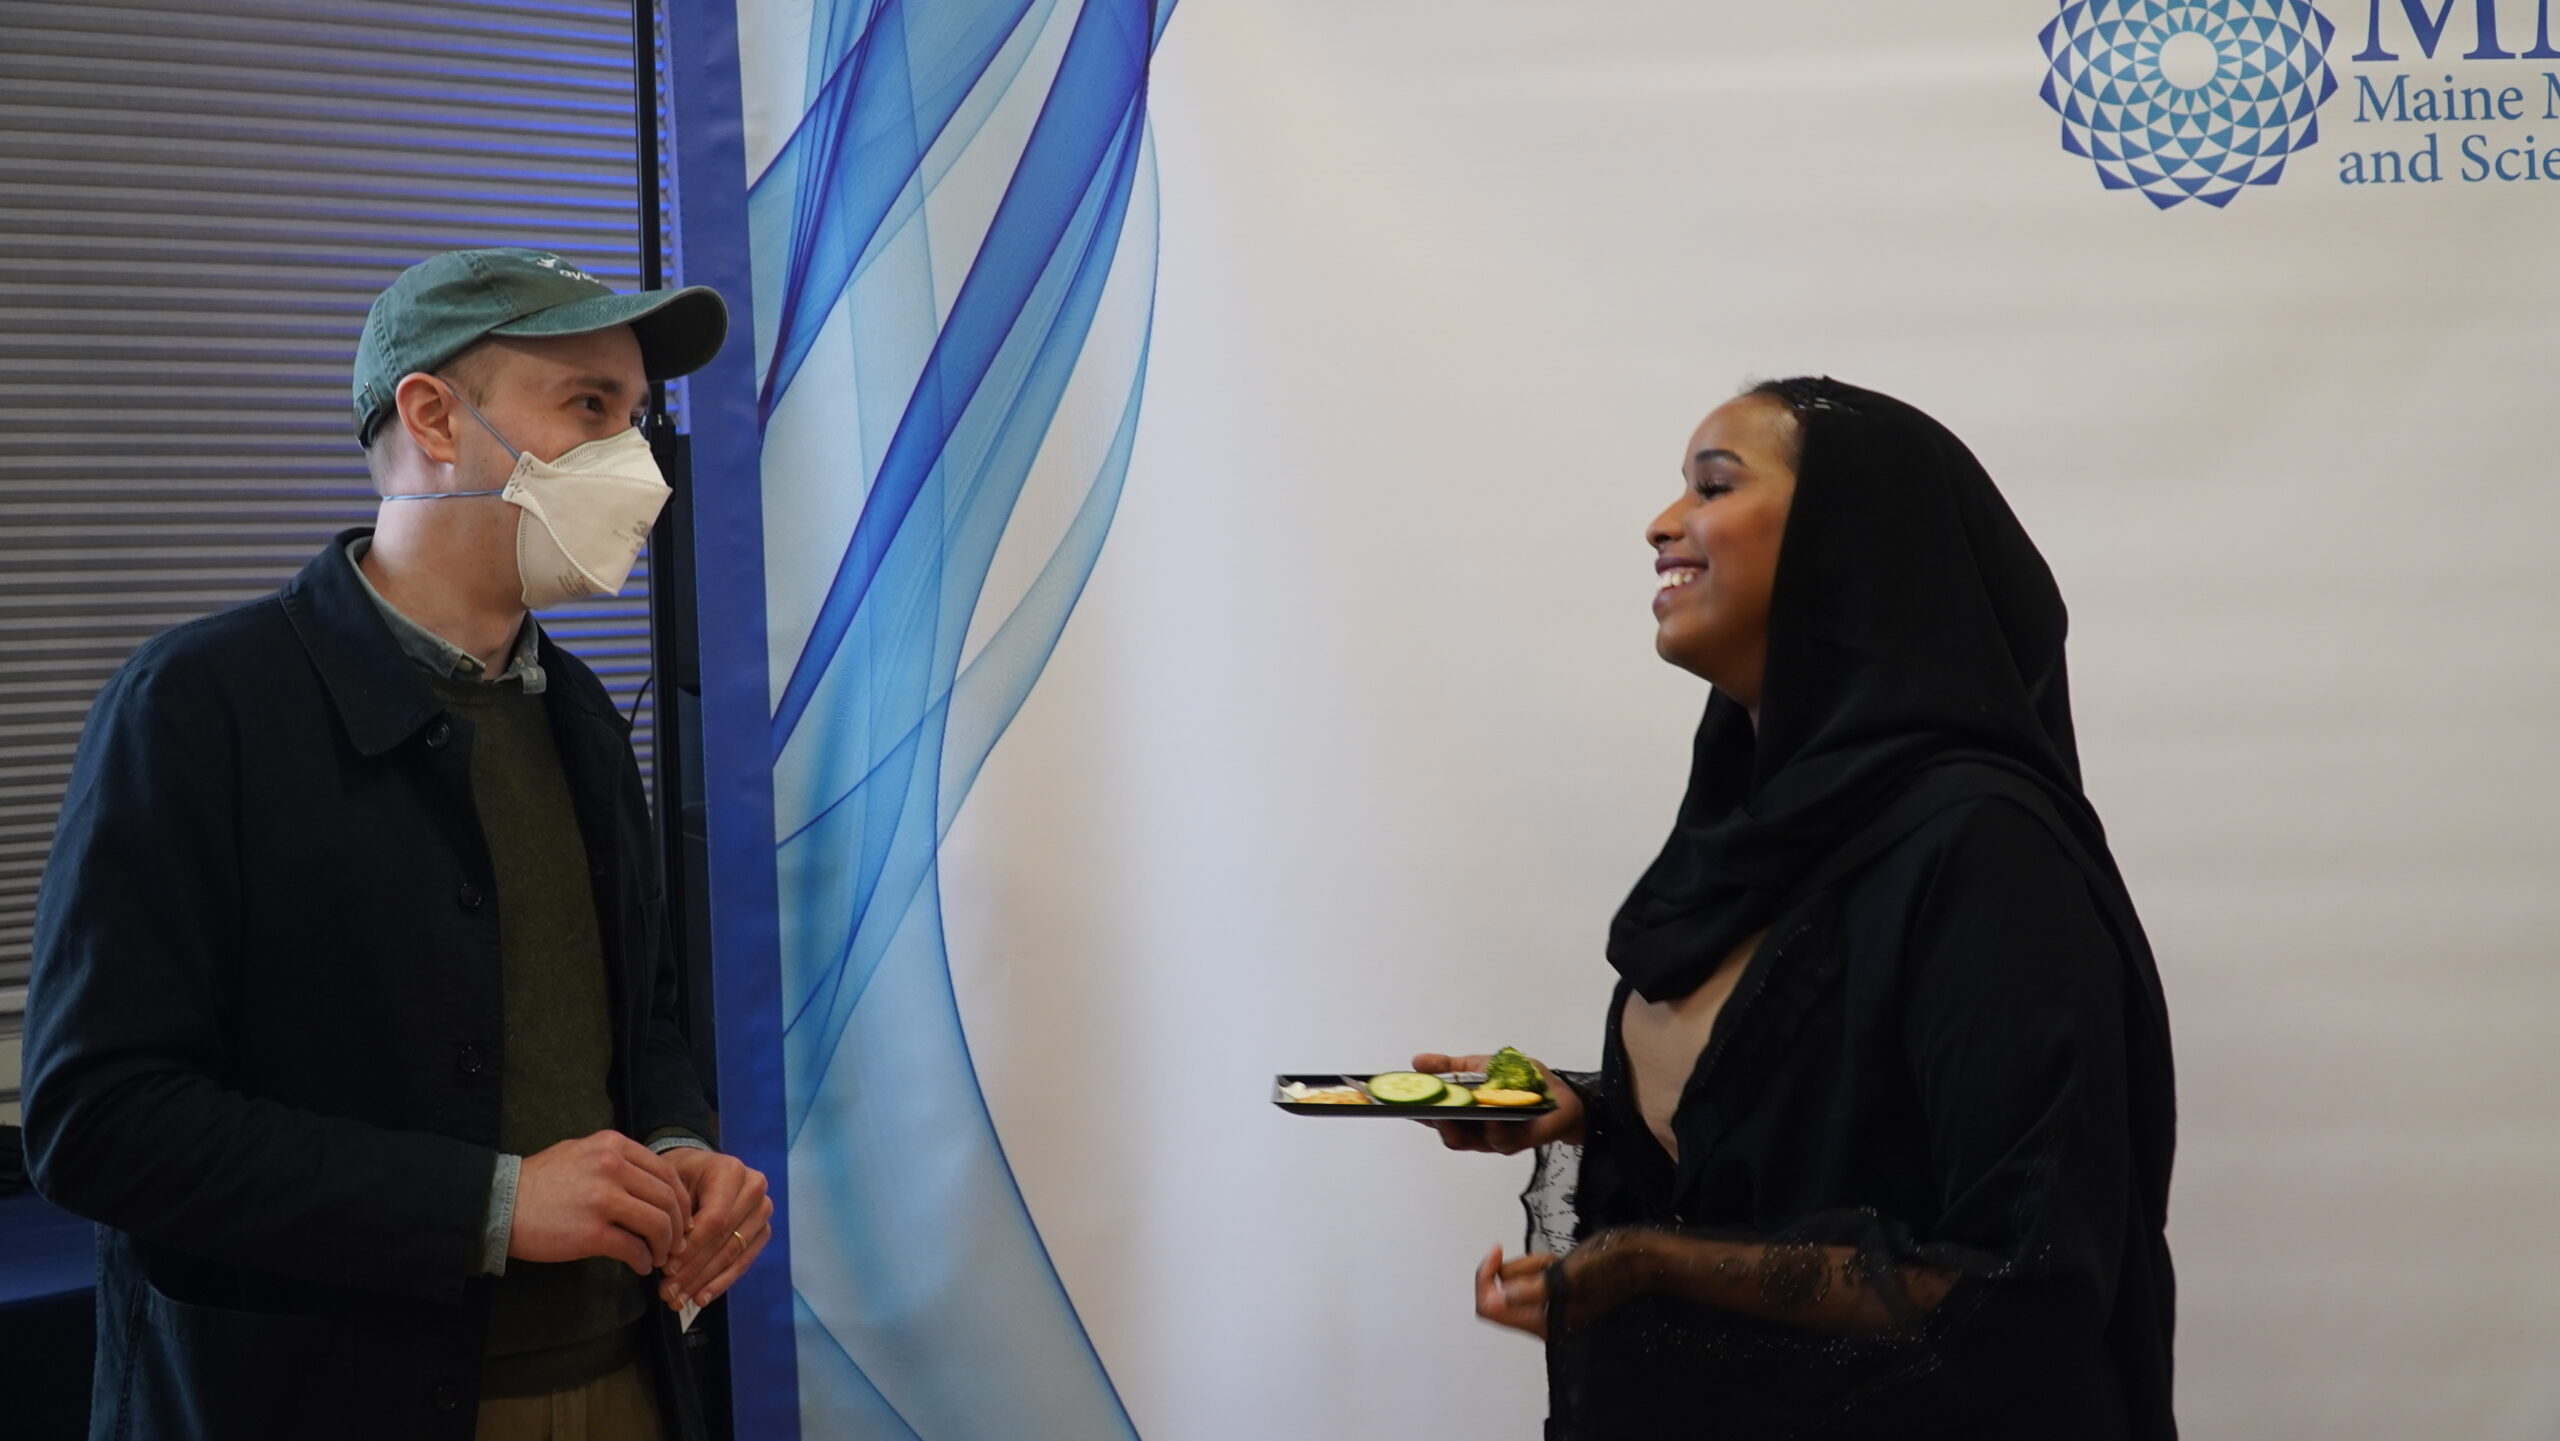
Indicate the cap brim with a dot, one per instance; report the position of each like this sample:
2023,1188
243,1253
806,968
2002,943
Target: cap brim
679,330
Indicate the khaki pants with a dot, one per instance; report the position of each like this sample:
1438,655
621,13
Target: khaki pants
618,1406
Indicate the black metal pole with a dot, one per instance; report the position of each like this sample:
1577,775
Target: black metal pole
670,597
674,667
671,592
644,104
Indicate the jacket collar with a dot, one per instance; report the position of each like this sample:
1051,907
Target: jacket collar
577,687
442,657
381,695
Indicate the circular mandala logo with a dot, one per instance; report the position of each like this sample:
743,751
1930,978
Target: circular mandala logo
2188,99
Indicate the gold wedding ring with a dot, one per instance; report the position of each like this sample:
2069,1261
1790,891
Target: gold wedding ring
741,1240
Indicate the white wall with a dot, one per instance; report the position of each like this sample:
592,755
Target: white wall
1359,738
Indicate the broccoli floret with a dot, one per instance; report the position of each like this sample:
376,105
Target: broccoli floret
1511,1071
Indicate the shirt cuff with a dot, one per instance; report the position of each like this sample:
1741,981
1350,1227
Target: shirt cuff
500,1226
675,1138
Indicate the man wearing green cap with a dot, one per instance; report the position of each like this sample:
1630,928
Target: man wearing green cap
352,1018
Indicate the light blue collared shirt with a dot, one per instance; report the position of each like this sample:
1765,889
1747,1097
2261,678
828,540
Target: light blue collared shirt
438,656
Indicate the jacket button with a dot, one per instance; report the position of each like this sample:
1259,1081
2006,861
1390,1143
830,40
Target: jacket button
471,1060
439,733
468,897
448,1396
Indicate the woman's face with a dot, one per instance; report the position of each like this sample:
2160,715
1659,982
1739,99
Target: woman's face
1716,547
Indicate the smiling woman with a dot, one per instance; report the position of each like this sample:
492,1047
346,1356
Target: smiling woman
1716,547
1881,1136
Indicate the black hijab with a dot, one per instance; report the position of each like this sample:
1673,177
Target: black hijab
1912,623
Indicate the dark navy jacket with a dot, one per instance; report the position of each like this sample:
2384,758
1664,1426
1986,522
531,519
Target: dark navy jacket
264,1044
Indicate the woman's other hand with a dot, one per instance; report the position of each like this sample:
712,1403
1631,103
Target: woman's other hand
1605,1272
1513,1293
1505,1138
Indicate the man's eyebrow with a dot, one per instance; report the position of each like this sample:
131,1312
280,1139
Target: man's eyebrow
606,383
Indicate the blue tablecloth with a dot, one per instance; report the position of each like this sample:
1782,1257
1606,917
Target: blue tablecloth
44,1252
48,1263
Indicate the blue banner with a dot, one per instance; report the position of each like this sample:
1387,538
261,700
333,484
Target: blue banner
948,245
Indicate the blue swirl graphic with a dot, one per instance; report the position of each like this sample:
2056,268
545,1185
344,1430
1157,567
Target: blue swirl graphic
2188,99
954,257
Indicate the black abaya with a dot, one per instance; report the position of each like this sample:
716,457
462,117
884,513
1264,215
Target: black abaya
1943,1083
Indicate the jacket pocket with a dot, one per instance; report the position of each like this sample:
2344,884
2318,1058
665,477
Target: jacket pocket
210,1371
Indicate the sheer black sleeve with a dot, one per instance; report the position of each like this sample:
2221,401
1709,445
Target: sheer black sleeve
1995,1294
1555,1182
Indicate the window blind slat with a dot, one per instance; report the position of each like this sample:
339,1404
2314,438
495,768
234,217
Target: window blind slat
197,203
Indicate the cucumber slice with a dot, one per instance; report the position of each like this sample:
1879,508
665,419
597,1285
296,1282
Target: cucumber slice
1457,1096
1406,1088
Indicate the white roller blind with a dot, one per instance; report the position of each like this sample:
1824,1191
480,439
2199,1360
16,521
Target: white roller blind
197,203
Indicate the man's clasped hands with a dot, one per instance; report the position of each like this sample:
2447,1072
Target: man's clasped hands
698,1216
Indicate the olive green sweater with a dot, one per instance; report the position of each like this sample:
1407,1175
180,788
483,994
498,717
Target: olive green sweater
551,1326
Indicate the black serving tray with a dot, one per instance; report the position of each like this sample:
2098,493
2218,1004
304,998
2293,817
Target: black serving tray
1360,1079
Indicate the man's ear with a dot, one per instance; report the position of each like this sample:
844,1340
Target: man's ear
428,413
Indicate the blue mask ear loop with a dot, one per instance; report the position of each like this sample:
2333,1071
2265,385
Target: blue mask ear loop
493,435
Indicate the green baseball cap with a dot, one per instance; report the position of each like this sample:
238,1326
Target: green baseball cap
446,303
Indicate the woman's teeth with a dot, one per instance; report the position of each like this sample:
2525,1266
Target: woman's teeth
1674,578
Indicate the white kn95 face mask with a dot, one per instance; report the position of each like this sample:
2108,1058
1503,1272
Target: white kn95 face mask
586,514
